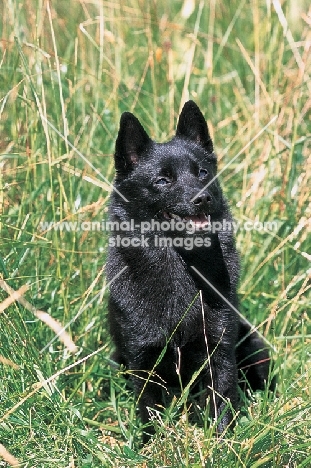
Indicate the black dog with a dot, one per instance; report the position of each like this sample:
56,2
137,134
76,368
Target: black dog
165,206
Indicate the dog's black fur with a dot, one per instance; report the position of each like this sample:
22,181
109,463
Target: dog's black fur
154,303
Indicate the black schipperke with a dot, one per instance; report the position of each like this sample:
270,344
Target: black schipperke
164,209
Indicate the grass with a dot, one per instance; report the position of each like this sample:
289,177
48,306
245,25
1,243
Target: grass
67,71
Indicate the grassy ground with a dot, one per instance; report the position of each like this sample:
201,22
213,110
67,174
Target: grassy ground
67,71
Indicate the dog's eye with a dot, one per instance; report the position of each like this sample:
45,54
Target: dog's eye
163,181
202,173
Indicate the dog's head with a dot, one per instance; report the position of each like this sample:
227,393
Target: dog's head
167,181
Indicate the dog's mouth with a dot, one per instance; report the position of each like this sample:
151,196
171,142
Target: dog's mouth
200,221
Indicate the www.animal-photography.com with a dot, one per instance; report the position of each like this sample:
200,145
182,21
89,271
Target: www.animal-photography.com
155,233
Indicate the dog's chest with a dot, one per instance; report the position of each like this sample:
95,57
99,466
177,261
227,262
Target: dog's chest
163,293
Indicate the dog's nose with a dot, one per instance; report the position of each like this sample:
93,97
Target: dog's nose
202,198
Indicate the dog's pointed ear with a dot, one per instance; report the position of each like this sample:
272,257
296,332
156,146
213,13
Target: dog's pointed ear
131,142
192,126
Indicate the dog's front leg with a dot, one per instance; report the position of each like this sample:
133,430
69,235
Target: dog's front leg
223,388
222,372
148,390
149,399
